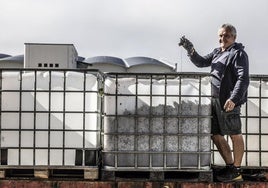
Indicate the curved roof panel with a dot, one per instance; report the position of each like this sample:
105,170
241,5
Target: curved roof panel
17,58
105,59
134,61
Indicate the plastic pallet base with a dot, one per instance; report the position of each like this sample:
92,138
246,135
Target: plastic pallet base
87,173
181,176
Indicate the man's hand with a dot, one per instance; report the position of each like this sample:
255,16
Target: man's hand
187,45
229,105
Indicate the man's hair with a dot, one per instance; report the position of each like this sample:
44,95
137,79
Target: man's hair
229,28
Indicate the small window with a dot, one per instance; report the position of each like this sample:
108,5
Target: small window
57,65
45,65
39,64
50,65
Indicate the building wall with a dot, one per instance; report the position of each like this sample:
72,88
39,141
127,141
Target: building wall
50,56
10,64
151,68
107,67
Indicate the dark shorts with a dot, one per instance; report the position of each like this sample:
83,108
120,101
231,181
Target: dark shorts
225,123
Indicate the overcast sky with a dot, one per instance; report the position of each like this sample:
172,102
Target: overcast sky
127,28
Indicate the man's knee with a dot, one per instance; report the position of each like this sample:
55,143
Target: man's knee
236,137
216,138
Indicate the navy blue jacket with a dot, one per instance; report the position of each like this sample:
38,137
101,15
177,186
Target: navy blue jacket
235,77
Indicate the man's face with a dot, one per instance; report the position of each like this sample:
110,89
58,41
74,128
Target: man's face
226,38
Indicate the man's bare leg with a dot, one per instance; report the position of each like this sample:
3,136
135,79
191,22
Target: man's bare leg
238,149
224,148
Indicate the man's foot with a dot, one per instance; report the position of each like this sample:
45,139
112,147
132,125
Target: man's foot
230,174
222,170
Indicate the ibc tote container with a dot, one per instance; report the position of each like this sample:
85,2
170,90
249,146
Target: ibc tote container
254,117
255,123
156,122
49,118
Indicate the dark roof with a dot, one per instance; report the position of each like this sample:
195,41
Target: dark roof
105,59
4,55
134,61
60,44
80,59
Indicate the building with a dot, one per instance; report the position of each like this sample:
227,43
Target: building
65,56
40,55
11,61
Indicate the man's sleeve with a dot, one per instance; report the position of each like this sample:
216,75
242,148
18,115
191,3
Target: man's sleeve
242,72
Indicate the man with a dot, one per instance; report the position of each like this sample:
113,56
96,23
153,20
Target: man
230,80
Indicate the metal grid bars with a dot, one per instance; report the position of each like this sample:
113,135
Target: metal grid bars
49,118
141,122
255,121
254,116
156,121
